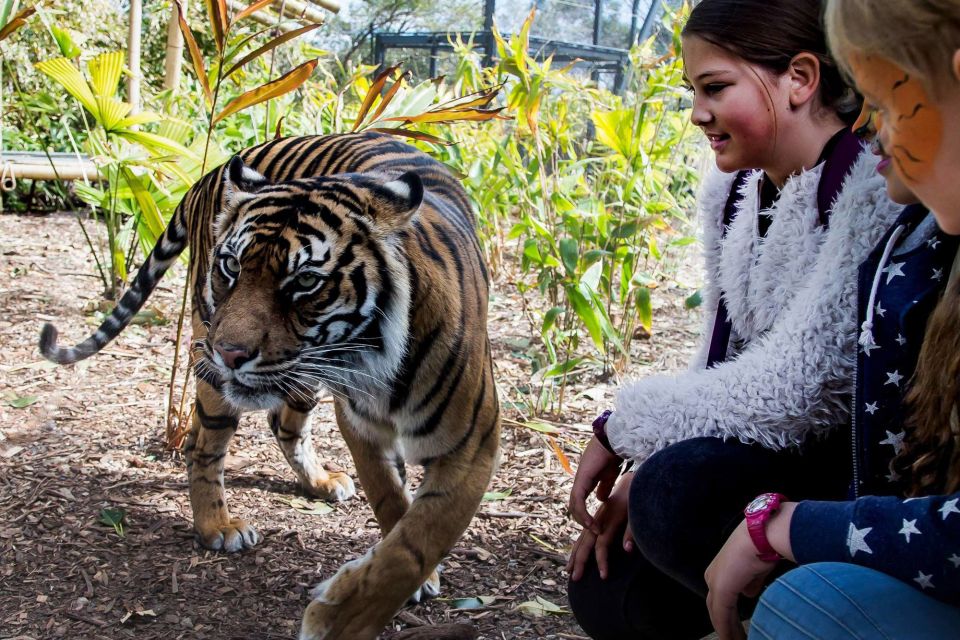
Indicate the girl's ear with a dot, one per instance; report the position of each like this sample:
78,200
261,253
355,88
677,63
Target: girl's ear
804,77
955,67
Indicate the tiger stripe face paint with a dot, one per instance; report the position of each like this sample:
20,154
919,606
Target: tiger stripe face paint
909,123
917,123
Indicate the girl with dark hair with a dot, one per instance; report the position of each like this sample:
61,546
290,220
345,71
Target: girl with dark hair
795,206
879,565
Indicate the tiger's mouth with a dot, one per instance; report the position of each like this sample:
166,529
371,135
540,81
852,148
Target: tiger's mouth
254,390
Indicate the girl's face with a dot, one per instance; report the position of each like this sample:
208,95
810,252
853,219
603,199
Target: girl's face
917,132
734,104
865,127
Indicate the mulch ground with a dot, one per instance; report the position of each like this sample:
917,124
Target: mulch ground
76,441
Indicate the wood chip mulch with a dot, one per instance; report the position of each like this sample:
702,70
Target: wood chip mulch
75,441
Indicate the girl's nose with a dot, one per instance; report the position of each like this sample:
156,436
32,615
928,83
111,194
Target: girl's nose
700,115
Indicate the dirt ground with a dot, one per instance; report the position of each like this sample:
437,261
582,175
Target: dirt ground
75,441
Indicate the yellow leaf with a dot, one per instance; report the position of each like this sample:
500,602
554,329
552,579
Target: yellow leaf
452,116
195,54
372,94
63,71
217,12
387,97
252,9
105,72
561,456
416,135
276,42
282,85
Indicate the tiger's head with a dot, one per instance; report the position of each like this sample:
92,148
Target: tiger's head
306,286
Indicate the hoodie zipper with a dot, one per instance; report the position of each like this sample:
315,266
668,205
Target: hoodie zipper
853,432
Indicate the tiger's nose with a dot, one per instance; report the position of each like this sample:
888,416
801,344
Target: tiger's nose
233,356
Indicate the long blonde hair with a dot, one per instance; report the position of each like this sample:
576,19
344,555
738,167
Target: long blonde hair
920,36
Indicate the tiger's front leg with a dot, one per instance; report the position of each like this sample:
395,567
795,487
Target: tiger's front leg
214,423
357,602
292,428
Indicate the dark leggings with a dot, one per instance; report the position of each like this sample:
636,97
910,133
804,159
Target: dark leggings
684,502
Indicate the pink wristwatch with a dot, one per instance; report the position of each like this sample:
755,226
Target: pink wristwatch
757,513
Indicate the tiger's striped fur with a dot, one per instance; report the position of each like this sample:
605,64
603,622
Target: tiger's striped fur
349,262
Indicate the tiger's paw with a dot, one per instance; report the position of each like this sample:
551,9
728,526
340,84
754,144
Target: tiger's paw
236,536
429,589
336,613
338,487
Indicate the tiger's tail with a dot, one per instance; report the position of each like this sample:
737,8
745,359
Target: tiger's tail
170,245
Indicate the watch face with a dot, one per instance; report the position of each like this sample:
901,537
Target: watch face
760,503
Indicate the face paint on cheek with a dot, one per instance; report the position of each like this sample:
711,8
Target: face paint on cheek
913,126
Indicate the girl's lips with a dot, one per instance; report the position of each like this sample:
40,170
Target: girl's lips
718,141
883,165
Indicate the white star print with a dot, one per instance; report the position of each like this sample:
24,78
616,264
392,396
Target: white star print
923,579
856,540
909,527
896,440
867,348
950,506
893,270
955,559
933,243
872,407
901,340
937,275
880,311
893,378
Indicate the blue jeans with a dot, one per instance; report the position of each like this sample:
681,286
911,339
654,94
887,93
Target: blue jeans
840,601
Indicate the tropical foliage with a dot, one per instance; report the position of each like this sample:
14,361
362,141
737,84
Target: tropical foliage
582,196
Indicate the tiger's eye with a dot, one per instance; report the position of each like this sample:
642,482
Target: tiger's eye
306,280
232,265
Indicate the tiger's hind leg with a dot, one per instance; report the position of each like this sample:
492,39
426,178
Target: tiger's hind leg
214,423
357,602
292,428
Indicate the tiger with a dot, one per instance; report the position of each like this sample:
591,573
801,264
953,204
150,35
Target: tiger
348,263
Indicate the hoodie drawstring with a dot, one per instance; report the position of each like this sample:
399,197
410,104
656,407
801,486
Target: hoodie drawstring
866,329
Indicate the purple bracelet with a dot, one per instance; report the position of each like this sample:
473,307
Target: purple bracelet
600,430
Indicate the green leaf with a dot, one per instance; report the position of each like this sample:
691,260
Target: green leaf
694,300
310,507
592,276
570,255
69,77
113,518
645,308
541,427
550,318
493,496
587,314
22,401
478,602
65,42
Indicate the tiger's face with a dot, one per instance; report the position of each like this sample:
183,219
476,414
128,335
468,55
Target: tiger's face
304,286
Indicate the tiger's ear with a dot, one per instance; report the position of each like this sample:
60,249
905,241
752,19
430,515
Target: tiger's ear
396,202
240,182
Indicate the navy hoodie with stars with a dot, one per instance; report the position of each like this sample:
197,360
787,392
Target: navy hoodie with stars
916,540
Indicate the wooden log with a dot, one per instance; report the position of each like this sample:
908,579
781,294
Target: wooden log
438,632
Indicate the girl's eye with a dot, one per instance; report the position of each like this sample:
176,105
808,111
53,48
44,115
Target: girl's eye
713,88
231,265
306,280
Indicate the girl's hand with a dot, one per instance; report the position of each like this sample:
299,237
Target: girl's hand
737,569
598,468
610,519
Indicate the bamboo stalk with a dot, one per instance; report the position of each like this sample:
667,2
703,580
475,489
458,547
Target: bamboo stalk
174,61
133,47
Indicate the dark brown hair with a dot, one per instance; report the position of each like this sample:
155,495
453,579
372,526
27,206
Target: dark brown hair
930,462
770,33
